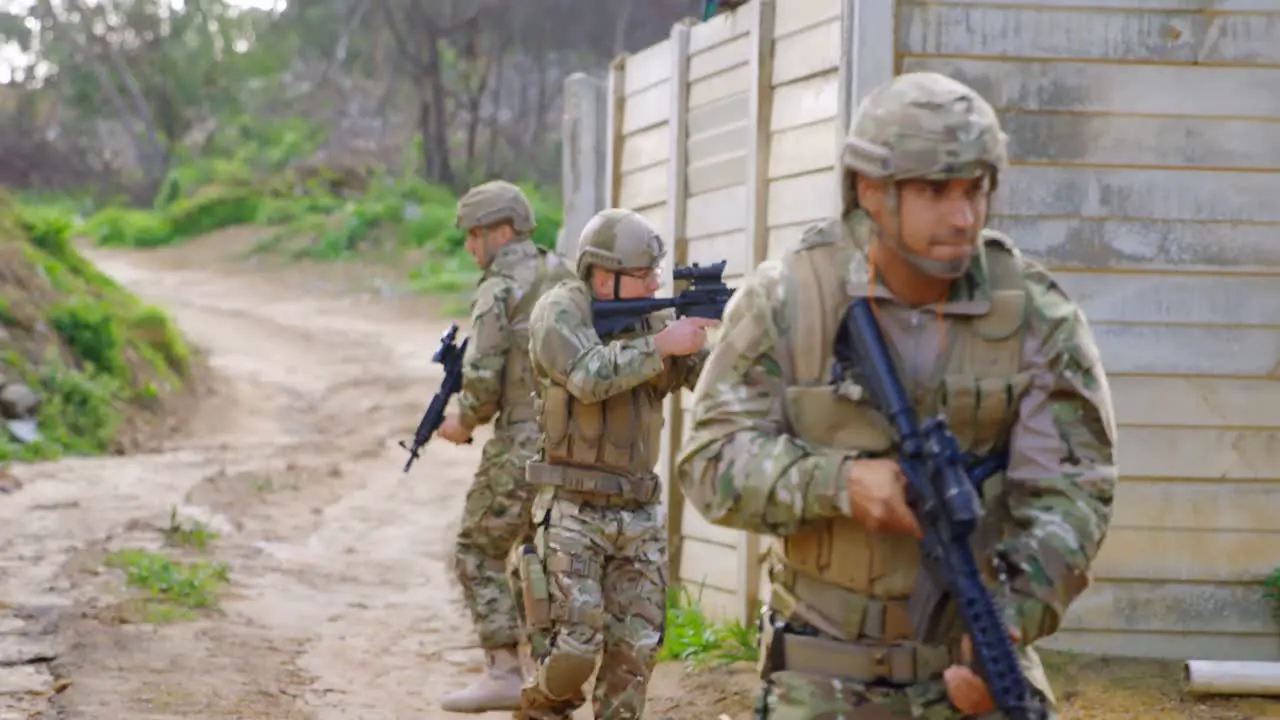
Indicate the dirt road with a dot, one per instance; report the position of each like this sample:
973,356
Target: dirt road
340,602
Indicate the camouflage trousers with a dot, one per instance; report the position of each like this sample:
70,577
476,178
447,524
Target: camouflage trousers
606,586
496,517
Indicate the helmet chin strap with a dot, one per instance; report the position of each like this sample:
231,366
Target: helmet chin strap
940,269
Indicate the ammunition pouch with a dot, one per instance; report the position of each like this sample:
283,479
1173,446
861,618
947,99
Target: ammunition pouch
798,649
535,593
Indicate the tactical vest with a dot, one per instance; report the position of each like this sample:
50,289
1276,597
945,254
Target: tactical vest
517,382
609,448
835,572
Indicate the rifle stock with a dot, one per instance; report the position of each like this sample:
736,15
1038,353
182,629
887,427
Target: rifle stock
705,297
449,355
942,493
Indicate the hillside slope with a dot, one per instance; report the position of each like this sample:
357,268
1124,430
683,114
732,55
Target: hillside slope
85,367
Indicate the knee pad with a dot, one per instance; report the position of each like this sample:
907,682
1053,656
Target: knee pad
566,668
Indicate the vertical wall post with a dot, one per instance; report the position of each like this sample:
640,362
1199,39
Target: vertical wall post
868,58
615,99
760,103
584,146
677,137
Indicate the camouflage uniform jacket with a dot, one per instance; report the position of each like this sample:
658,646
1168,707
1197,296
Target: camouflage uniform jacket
743,465
496,377
589,389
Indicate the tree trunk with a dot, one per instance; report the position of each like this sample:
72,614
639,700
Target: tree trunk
495,117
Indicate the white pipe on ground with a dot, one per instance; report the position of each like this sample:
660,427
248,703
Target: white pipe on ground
1228,677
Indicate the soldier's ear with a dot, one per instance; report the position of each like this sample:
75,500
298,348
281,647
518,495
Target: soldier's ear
871,195
596,281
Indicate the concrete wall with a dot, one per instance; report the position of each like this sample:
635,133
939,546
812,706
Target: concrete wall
1146,162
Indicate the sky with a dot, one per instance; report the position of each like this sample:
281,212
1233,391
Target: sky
11,55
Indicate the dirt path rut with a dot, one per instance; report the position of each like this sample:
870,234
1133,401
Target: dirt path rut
340,602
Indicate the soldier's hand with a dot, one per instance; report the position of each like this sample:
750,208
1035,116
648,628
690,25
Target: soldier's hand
454,431
966,689
685,336
877,491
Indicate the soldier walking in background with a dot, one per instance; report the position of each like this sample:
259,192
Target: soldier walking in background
981,335
497,382
594,580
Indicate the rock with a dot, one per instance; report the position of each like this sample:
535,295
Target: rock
9,483
18,401
24,430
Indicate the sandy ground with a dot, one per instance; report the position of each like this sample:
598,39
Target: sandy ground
340,603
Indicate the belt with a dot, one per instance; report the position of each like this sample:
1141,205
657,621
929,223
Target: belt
595,486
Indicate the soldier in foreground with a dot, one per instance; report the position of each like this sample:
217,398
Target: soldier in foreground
982,335
497,382
595,577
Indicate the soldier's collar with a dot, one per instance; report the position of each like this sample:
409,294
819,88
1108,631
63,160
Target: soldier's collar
970,293
517,248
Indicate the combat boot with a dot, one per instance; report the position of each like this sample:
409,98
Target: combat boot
499,689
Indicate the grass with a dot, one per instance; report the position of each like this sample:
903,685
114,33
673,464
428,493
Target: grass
173,590
701,643
1271,591
194,534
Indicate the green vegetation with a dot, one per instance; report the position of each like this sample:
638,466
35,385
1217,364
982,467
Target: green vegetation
1271,591
171,590
93,353
194,534
700,643
174,590
254,176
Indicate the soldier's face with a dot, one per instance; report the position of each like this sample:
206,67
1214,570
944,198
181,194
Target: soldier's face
631,284
483,242
939,221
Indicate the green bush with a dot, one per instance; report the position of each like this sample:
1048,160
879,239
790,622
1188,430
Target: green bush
701,643
92,331
155,331
125,227
415,214
108,355
212,209
249,173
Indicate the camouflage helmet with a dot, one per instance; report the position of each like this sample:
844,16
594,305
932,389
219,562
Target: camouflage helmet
923,125
618,239
493,202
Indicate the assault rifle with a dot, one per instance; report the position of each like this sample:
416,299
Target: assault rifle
705,297
941,491
448,355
